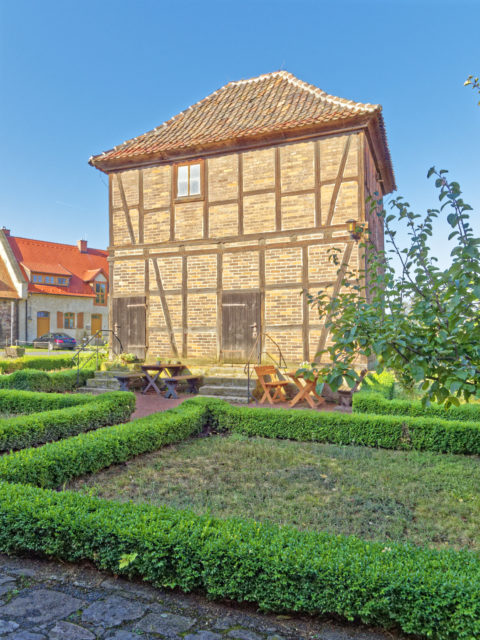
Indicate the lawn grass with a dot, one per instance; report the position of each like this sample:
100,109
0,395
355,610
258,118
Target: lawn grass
425,498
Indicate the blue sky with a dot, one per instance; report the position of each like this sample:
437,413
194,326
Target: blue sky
80,77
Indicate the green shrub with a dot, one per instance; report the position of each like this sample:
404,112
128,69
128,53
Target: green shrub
383,383
389,432
34,380
38,428
42,363
431,593
426,592
377,403
57,462
17,401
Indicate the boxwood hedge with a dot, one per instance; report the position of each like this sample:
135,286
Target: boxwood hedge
42,363
38,428
431,593
35,380
17,401
389,432
377,403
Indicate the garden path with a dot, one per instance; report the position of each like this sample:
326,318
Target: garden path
45,600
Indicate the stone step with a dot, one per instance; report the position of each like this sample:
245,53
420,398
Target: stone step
92,390
103,375
220,392
231,399
105,383
220,381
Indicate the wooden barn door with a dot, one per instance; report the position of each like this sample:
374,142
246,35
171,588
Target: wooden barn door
129,320
240,325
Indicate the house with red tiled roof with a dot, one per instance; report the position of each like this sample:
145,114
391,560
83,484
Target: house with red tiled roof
51,287
223,215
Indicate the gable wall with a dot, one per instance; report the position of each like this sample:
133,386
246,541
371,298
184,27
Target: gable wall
266,224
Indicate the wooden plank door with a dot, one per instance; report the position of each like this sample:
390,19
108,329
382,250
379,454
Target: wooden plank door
240,325
96,323
129,320
43,323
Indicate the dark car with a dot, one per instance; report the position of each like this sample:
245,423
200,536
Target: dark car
55,341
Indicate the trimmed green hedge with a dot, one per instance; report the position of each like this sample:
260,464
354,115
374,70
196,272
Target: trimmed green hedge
38,428
34,380
58,462
388,432
24,402
377,403
434,593
427,592
42,363
383,383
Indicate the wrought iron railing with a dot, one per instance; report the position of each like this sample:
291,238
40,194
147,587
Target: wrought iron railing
258,350
94,354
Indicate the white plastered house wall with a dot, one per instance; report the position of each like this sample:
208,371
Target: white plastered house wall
39,302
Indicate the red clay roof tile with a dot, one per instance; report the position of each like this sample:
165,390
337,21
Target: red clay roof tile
60,259
274,103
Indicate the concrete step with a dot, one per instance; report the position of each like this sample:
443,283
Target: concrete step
220,392
232,399
220,381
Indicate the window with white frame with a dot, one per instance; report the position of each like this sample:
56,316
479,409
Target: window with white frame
189,180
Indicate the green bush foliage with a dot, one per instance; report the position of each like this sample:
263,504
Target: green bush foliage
17,401
36,380
377,403
388,432
42,363
58,462
383,383
431,593
38,428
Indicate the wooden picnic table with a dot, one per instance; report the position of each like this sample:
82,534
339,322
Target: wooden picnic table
153,371
306,390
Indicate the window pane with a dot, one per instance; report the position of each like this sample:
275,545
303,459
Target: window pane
194,179
182,181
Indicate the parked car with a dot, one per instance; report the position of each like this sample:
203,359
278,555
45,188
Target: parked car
55,341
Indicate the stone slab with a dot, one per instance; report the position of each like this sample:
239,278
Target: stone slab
113,611
41,605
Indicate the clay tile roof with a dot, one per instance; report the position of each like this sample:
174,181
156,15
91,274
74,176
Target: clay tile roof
39,256
272,104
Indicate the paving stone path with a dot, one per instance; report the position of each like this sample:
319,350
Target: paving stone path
42,600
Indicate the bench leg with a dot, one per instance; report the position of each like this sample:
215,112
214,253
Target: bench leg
192,386
171,389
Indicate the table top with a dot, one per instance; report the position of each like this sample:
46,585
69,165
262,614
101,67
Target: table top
293,374
162,366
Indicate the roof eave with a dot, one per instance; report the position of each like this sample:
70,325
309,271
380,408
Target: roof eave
107,165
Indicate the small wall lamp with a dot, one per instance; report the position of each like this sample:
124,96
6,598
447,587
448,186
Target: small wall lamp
354,229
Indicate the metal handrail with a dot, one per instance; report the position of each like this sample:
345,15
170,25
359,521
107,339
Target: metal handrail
279,364
84,348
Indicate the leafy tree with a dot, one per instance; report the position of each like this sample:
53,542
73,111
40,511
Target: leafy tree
421,321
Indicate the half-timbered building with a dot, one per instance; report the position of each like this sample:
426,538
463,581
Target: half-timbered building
222,216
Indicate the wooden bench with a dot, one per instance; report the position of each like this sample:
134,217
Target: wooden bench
126,379
172,383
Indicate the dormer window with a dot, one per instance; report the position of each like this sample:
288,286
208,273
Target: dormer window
36,278
100,289
62,281
189,180
49,279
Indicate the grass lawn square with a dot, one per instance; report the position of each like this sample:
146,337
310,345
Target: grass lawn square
424,498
